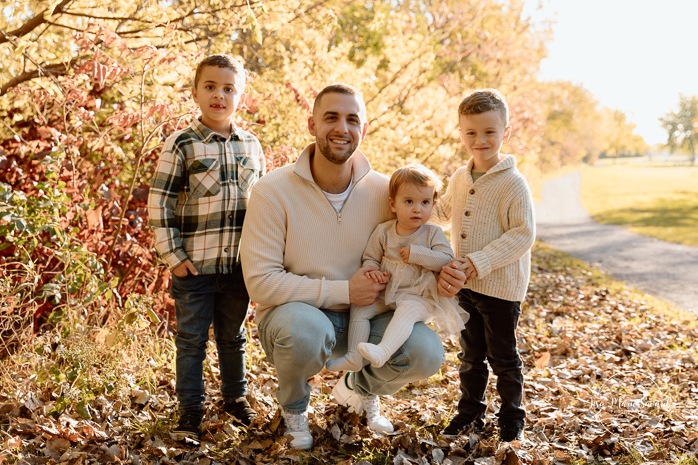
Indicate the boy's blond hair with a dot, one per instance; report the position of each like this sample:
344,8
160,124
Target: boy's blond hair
222,60
417,175
483,100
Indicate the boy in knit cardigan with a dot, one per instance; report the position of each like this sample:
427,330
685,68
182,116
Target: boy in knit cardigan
489,208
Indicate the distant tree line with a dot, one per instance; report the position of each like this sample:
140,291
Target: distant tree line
682,127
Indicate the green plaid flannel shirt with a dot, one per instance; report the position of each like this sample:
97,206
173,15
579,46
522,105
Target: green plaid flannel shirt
198,196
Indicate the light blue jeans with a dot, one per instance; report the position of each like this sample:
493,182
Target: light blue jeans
298,339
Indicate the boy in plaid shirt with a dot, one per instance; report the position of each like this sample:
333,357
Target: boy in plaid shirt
197,203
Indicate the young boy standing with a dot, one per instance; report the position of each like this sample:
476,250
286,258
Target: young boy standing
489,207
197,203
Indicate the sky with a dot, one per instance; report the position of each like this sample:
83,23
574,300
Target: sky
636,56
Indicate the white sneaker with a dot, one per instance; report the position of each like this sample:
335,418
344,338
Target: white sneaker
372,410
368,405
344,395
297,427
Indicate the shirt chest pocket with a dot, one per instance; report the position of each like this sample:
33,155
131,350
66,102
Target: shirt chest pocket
204,178
249,169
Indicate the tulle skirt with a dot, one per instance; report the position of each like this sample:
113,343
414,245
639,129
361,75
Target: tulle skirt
412,282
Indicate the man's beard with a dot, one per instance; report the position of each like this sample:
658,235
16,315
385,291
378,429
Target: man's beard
324,148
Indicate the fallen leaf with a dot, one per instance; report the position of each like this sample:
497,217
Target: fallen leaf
543,360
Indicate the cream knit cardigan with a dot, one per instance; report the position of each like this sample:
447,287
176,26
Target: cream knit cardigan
295,247
492,223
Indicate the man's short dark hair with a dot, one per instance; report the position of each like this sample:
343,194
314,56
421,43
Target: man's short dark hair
341,88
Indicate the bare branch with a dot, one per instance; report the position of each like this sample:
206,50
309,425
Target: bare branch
57,69
182,17
394,78
64,26
33,23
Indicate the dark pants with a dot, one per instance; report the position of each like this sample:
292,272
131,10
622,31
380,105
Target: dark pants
490,334
200,301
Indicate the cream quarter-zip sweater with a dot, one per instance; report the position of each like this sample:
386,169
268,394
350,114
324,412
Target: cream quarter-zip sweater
296,247
492,223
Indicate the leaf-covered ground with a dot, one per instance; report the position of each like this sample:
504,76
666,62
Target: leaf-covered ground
610,378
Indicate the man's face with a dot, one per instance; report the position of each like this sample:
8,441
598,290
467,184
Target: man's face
338,126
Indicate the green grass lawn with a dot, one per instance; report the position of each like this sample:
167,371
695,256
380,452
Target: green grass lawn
650,199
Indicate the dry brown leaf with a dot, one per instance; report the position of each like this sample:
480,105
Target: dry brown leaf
543,360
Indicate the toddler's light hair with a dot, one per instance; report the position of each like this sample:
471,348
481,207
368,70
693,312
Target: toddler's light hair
417,175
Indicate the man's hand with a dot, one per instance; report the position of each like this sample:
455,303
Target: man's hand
183,269
362,289
452,278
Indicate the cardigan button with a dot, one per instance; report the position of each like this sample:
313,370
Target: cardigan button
467,213
463,235
471,191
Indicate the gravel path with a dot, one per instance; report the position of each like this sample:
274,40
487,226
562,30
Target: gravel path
668,271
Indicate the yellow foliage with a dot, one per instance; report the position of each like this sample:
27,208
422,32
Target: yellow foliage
414,61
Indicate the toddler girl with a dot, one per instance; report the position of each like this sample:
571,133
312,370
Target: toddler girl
408,251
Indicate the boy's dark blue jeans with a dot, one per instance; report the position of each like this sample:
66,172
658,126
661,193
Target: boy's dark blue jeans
200,301
490,335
